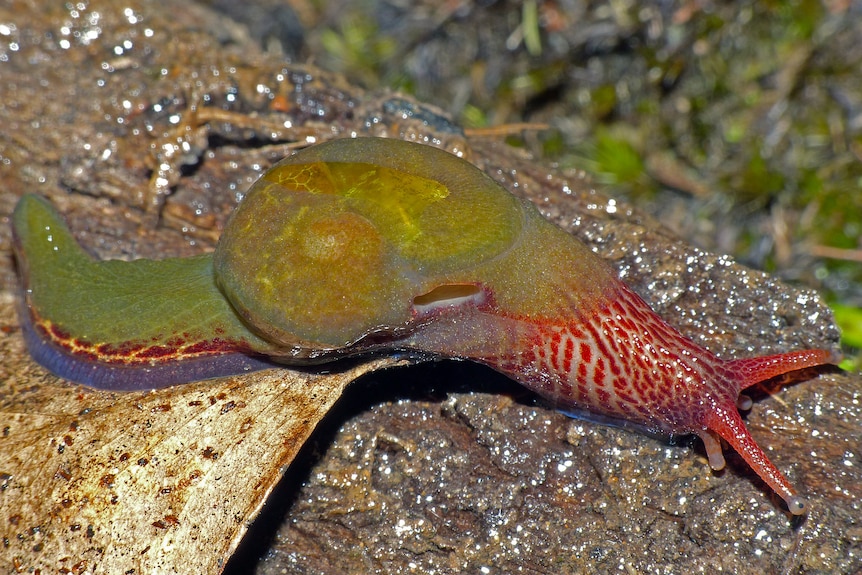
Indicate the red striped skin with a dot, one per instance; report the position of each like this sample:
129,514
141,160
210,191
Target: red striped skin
617,359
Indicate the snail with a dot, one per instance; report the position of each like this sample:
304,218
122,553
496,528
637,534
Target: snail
371,245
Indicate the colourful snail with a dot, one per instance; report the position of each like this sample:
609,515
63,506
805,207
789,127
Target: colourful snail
376,245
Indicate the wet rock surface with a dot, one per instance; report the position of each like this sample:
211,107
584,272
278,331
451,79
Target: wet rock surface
144,123
484,482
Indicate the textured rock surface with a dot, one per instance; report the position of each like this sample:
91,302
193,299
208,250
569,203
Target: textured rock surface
145,122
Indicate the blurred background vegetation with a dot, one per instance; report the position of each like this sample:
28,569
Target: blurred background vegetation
737,124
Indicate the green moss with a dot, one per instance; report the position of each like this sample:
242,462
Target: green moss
616,158
758,181
358,48
849,319
473,117
603,100
553,144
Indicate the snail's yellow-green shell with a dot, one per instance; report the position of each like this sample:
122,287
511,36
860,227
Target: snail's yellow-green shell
335,243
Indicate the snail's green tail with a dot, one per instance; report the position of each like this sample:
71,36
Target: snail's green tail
119,324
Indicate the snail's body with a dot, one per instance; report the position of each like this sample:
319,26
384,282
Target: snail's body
365,245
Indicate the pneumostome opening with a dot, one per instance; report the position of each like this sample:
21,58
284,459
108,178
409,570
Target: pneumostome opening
448,295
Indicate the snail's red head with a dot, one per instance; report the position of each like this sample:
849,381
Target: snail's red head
618,360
